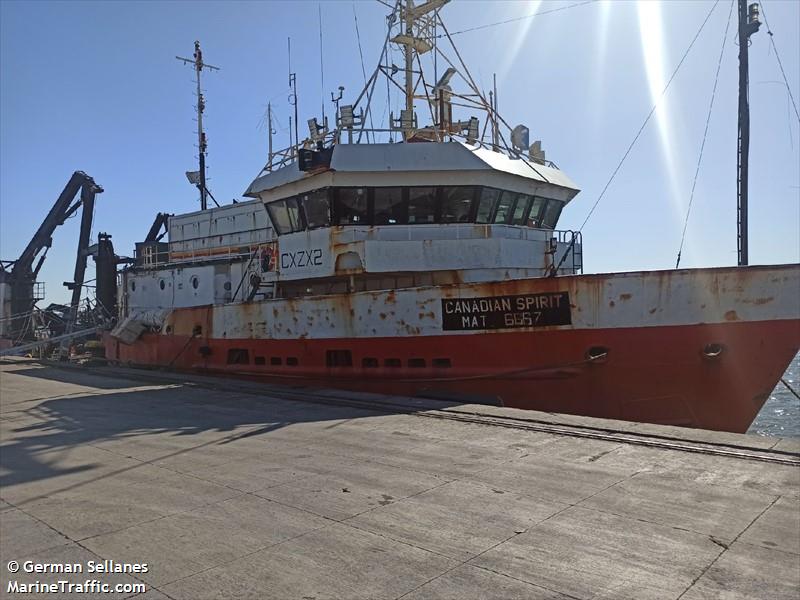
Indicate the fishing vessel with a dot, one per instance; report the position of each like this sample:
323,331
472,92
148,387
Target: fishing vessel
431,263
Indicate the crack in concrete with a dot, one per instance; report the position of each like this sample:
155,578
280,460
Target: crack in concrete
725,549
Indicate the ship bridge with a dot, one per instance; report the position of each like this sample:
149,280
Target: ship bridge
430,212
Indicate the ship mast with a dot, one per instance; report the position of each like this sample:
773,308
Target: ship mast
748,25
409,56
419,42
198,64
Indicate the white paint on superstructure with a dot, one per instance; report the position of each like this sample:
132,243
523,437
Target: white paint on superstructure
420,164
222,230
641,299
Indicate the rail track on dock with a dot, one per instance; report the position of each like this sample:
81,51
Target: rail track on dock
421,407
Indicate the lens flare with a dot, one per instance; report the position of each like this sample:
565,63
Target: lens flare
515,45
651,33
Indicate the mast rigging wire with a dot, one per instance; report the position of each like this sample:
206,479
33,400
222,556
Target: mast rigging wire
780,64
321,67
705,135
523,17
363,70
790,388
647,119
370,87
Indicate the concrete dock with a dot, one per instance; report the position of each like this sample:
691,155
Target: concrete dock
240,490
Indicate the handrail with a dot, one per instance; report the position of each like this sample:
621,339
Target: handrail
576,236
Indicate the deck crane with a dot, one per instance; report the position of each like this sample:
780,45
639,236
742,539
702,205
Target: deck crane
19,290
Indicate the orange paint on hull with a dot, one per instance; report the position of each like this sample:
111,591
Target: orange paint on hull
650,374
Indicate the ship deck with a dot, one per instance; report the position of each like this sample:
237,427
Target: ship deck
240,490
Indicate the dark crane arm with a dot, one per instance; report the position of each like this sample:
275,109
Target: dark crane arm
61,210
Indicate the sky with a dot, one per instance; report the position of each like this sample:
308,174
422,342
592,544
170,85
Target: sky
95,86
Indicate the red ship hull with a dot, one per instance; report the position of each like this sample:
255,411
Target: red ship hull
704,375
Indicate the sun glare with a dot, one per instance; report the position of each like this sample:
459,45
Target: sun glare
651,33
602,39
516,43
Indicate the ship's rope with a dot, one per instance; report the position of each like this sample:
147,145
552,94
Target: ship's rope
790,388
780,64
705,135
501,375
504,374
647,119
639,133
523,17
182,350
363,70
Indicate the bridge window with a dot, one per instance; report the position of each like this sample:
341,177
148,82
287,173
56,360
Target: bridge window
416,363
317,208
521,210
504,207
551,214
457,204
535,214
412,205
369,363
389,208
285,215
421,205
350,206
486,204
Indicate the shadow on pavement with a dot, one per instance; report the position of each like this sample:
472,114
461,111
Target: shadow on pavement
35,452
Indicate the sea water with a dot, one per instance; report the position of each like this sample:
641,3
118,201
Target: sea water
781,413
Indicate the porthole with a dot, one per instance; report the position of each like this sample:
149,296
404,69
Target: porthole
195,282
227,286
161,284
